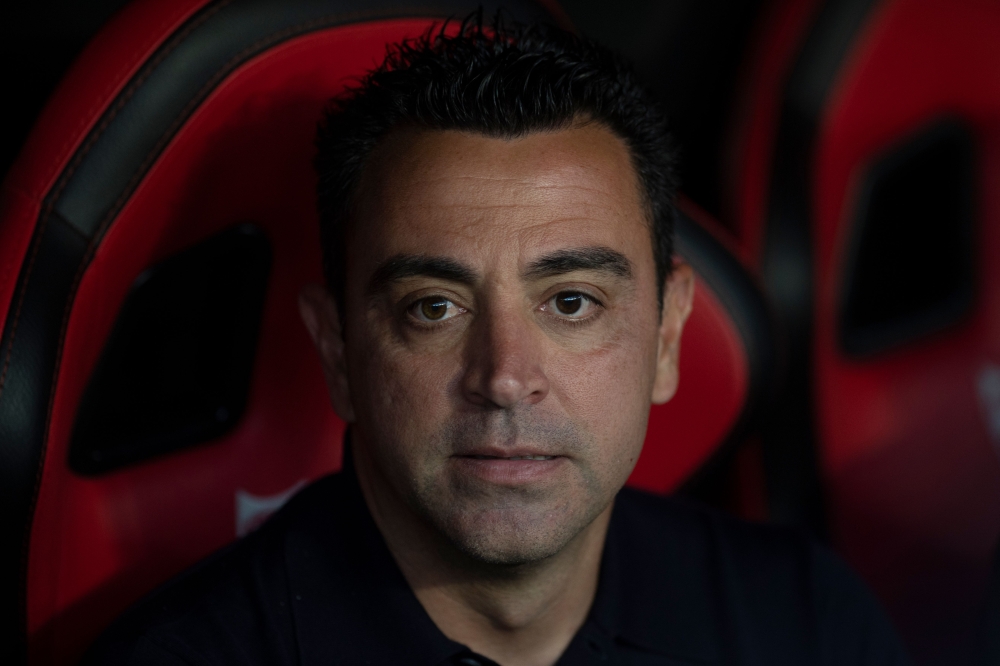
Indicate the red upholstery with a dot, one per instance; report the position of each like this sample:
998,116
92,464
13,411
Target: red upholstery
715,366
99,73
908,439
97,543
683,433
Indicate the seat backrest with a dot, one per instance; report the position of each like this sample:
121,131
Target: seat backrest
159,395
866,191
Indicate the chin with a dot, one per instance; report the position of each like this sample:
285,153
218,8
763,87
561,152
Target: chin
509,549
512,536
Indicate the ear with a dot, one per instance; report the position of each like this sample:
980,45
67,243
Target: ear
319,312
678,295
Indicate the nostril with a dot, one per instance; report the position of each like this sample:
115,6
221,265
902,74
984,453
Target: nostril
507,391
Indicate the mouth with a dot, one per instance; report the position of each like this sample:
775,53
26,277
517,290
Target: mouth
477,457
511,468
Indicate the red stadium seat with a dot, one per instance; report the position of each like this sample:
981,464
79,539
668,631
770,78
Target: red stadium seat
159,395
867,157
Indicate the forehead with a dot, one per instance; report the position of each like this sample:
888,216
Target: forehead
467,195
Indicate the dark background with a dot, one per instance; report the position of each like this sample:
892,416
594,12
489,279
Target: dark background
687,51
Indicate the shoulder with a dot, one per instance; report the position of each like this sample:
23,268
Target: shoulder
716,543
762,587
232,607
712,543
742,568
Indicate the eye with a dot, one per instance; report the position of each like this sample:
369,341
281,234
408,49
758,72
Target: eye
434,309
571,304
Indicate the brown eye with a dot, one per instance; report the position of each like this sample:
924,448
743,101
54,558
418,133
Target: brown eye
569,303
434,309
572,305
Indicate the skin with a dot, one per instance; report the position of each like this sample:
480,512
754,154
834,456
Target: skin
501,302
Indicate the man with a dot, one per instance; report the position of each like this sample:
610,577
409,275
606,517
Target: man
502,308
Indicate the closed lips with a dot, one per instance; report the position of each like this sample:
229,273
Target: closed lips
513,457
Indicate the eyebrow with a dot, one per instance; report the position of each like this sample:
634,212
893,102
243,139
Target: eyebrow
403,266
580,259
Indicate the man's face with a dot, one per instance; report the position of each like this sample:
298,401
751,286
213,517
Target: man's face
503,339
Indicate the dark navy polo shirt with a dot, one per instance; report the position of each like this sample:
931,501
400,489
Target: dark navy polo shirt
679,584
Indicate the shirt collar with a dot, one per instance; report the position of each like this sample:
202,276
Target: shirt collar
653,590
350,601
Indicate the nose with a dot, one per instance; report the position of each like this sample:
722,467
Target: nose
504,361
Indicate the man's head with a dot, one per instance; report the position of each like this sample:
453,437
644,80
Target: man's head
499,82
496,209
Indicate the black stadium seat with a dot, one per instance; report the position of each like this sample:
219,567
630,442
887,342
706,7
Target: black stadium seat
159,396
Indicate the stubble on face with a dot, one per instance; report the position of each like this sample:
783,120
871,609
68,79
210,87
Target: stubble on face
419,424
510,524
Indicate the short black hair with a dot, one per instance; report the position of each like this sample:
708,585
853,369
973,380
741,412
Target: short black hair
505,80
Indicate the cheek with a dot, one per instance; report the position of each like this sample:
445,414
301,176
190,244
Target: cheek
609,389
400,397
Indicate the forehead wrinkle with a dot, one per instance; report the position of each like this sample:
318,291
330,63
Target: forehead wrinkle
448,179
540,183
492,206
555,198
559,176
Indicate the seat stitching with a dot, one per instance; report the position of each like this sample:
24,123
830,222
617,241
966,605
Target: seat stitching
71,169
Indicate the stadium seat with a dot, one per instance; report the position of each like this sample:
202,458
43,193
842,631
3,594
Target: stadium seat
863,190
159,396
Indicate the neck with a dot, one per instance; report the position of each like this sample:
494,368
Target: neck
520,614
